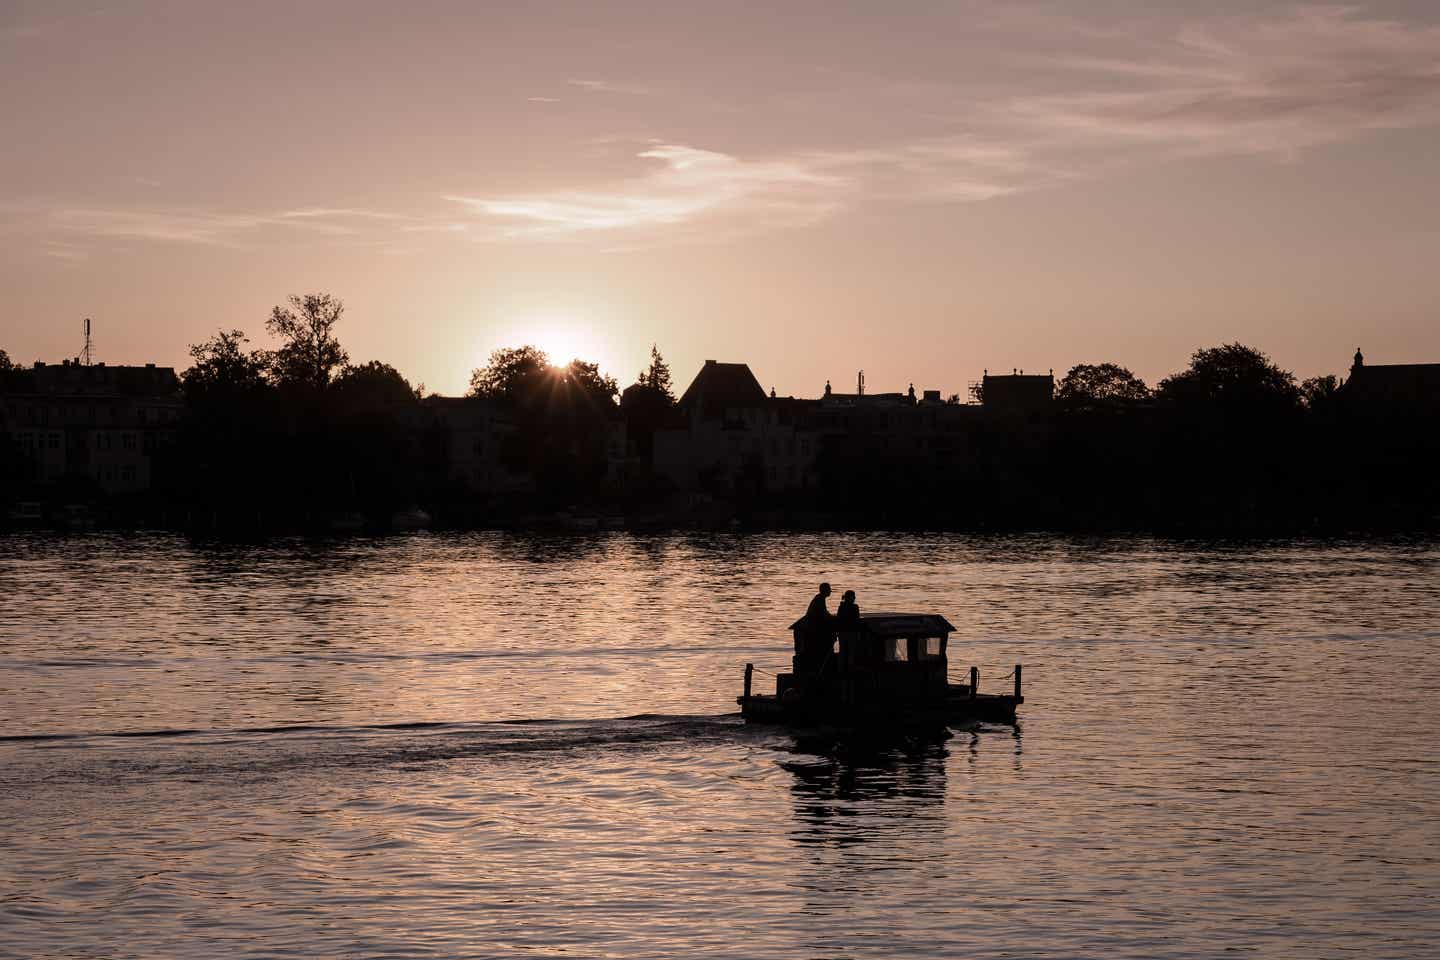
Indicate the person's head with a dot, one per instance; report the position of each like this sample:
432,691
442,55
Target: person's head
824,589
849,596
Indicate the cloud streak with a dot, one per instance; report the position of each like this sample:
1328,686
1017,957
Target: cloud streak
607,86
684,184
212,228
1060,100
1241,85
1247,85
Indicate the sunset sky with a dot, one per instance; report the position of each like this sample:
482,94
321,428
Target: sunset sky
921,190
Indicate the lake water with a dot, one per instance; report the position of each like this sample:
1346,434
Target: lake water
519,746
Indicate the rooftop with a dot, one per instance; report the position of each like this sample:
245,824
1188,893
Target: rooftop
899,624
721,385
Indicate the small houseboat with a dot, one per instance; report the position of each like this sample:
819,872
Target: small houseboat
889,669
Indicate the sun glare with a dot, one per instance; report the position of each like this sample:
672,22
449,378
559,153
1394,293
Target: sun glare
564,337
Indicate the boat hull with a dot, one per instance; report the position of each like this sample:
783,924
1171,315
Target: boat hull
806,712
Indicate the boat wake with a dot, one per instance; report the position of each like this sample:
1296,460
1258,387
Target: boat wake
278,751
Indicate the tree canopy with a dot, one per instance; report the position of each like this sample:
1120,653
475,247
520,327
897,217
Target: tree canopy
223,368
372,385
510,374
1320,391
656,377
1091,383
310,353
585,381
523,378
5,363
1234,375
650,395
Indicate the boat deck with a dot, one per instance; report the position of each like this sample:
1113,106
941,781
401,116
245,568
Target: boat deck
959,706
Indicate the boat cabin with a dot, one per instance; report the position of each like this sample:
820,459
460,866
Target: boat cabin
885,657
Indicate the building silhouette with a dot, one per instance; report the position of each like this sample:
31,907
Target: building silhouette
1018,391
1393,387
107,424
727,434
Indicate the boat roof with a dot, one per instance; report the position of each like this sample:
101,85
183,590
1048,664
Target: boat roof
899,624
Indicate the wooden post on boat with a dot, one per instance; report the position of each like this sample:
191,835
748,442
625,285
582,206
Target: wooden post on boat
974,681
749,670
1018,698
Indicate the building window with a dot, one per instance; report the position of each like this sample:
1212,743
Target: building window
128,473
54,441
128,440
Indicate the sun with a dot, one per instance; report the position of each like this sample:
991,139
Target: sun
564,337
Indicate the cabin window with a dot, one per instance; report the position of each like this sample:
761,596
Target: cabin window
930,648
897,649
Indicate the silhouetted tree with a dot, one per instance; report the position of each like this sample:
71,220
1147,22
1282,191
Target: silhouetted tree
11,374
559,412
1233,375
511,373
1318,392
646,403
223,370
585,382
372,385
1090,383
310,354
656,377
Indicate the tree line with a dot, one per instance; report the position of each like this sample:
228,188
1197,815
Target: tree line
355,436
1232,442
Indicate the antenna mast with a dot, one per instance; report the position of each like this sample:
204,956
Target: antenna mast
860,384
87,355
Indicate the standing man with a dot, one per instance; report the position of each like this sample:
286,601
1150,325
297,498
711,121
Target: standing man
817,614
813,643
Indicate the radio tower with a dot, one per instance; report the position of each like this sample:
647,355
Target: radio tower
87,355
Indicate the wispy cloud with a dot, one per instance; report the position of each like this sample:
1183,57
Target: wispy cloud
216,228
684,184
1260,84
608,86
59,250
1069,99
1245,84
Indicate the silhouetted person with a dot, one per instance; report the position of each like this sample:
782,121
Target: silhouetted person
818,634
817,614
847,615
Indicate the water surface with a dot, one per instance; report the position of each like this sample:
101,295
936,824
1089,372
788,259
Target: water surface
504,746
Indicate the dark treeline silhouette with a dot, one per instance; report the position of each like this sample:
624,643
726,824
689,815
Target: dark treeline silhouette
1231,444
294,435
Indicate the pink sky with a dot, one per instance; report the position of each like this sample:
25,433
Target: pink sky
921,190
